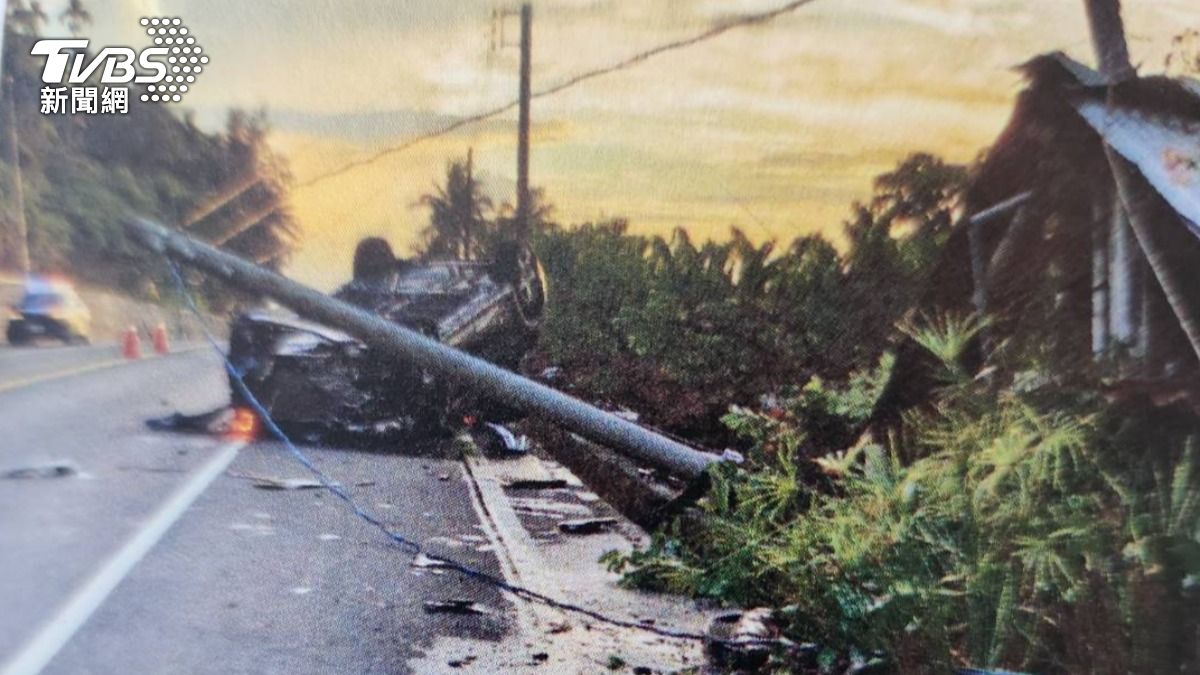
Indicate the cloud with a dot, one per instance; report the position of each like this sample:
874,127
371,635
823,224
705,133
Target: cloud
776,128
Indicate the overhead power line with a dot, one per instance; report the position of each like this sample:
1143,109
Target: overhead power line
720,28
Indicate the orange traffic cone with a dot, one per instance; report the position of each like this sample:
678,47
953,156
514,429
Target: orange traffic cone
131,345
161,344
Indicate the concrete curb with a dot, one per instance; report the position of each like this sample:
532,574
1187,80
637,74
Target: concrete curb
567,567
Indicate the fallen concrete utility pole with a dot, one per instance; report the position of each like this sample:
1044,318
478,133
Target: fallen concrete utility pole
395,340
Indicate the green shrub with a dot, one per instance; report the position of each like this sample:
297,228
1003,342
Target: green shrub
1018,536
680,330
593,271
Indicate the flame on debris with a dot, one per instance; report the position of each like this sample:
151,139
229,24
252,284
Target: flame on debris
243,426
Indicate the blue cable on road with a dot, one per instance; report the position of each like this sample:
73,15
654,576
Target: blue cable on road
408,544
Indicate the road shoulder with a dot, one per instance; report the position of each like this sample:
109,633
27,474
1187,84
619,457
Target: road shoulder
524,522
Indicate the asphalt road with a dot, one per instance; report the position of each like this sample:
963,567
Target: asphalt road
21,364
241,580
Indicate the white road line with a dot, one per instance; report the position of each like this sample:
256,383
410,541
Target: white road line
59,630
59,374
81,370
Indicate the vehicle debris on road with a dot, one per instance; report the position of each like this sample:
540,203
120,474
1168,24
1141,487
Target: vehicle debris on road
736,639
455,606
212,422
507,439
60,469
535,484
288,484
587,525
425,562
273,483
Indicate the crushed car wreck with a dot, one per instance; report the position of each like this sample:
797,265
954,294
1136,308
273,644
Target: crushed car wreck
317,381
514,285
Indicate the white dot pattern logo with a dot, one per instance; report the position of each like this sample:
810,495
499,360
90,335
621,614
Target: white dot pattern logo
184,55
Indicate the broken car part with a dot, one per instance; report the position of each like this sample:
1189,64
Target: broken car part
587,525
63,469
456,606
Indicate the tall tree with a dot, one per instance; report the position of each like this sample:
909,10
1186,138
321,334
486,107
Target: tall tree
76,16
258,222
1184,58
459,227
27,18
894,240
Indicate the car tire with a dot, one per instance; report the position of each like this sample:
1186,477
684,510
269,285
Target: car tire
62,333
516,264
16,335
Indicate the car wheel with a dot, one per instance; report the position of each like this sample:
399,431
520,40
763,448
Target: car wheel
515,263
16,335
530,288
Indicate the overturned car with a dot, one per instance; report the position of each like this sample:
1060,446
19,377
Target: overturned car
317,381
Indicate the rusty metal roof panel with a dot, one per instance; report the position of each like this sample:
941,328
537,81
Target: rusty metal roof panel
1166,150
1086,76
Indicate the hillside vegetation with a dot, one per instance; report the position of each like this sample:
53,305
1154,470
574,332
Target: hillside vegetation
82,175
1016,519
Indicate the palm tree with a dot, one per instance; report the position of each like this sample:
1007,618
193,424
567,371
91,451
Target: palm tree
458,227
76,16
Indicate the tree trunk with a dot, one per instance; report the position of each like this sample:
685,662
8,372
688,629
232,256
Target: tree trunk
1108,40
1101,286
18,187
1159,246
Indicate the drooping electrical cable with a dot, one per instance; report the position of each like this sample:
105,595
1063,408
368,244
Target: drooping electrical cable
724,26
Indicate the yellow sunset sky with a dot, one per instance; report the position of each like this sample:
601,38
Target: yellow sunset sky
775,129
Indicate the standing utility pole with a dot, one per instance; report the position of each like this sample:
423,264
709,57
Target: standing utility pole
523,205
